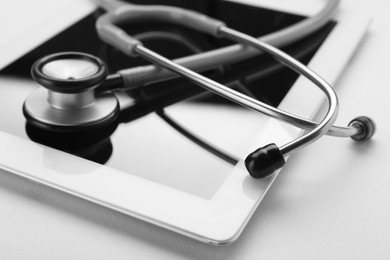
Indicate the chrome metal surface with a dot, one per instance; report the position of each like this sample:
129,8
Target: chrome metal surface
70,69
38,106
71,101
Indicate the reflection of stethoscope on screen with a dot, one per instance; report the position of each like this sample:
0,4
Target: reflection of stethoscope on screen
73,102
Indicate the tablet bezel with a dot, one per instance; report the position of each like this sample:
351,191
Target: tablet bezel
219,220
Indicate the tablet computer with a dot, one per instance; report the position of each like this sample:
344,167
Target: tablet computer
149,168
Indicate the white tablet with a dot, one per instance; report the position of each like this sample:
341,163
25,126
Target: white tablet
151,171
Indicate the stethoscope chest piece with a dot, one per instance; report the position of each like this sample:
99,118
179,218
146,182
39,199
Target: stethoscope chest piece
67,104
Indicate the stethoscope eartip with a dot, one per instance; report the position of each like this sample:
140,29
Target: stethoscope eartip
366,128
264,161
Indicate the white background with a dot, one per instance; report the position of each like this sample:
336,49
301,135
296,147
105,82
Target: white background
330,202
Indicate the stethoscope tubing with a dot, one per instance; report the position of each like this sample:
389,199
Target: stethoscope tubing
119,11
214,58
260,163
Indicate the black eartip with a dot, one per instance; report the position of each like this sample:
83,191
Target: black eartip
367,127
264,161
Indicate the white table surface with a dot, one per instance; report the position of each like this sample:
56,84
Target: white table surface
332,200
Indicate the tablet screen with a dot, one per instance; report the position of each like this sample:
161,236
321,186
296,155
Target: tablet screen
193,143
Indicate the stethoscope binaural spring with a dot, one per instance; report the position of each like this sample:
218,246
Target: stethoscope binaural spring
71,107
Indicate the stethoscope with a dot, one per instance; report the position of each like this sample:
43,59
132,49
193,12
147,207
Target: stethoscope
72,101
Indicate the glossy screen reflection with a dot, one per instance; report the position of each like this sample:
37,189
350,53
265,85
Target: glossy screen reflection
148,147
156,151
